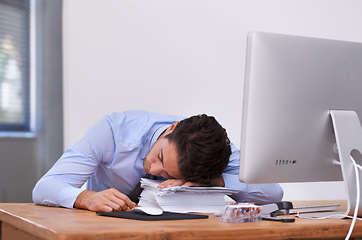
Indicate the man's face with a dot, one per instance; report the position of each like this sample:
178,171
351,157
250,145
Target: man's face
162,159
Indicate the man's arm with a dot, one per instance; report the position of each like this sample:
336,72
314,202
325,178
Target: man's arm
257,193
61,186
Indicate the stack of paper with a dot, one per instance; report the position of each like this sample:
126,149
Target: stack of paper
184,199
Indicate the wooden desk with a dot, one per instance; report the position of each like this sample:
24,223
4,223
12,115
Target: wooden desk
28,221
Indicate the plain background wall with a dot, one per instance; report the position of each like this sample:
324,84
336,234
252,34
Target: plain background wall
182,57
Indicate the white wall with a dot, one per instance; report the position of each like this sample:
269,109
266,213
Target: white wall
181,57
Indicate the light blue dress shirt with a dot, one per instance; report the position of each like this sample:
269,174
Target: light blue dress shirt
111,155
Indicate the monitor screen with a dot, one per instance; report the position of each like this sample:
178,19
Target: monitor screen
291,84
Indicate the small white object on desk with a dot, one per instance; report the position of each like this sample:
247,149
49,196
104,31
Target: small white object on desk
148,210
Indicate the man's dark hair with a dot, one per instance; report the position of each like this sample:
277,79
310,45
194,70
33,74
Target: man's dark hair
203,148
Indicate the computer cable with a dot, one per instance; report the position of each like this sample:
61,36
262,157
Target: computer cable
354,217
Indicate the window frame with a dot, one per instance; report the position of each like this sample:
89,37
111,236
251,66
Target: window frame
25,125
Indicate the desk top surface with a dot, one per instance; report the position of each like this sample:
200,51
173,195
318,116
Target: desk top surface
61,223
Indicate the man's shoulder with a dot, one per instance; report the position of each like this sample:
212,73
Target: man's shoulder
139,116
137,125
139,121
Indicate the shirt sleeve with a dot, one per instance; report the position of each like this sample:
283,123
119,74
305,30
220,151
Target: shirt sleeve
256,193
61,185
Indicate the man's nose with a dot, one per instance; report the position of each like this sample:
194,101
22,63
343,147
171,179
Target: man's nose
156,169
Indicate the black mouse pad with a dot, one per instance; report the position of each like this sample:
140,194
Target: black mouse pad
163,216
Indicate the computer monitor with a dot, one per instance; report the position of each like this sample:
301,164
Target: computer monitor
297,92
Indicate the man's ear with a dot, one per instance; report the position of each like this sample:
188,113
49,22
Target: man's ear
171,128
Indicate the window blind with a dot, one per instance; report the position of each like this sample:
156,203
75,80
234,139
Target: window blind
14,65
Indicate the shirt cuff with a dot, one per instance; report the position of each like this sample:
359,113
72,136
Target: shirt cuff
68,196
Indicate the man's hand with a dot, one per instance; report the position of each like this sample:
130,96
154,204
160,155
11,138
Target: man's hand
106,201
172,183
181,182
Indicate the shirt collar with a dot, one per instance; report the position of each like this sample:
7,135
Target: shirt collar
158,132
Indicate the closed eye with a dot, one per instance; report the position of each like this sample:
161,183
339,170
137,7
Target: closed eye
160,156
